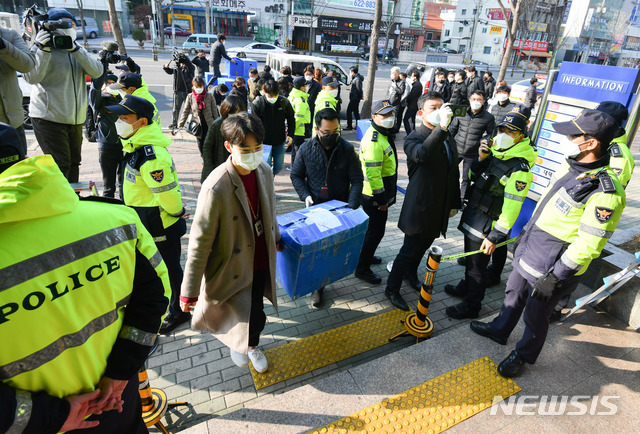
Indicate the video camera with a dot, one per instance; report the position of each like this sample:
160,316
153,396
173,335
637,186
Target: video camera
109,53
35,20
178,57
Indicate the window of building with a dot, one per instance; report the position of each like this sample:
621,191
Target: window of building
475,11
447,32
464,12
487,50
429,36
484,30
460,29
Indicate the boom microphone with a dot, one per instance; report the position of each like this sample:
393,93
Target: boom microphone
109,45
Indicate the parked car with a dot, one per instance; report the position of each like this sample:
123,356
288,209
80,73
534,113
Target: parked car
255,50
426,71
90,25
519,89
198,41
388,57
179,32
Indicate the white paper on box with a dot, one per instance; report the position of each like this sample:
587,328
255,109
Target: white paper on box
323,219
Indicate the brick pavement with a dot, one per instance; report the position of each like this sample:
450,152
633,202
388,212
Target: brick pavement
193,366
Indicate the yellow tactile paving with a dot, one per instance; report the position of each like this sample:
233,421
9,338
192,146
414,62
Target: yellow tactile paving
299,357
433,406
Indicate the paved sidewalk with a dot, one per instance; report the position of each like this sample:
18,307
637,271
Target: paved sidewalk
194,367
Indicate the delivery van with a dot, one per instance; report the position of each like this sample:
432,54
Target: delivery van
297,63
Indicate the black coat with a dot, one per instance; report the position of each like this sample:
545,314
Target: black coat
475,83
434,188
202,65
499,110
344,177
217,53
356,93
469,130
182,75
273,117
412,99
489,87
396,91
444,89
531,97
459,94
240,92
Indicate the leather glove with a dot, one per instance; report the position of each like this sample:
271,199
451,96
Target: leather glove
133,66
43,40
308,201
545,287
446,114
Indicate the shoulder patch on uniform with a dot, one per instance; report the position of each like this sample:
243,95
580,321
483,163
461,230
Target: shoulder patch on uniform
607,183
149,151
374,136
327,104
520,185
157,175
603,214
615,151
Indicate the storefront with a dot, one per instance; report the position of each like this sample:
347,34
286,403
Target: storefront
231,23
411,40
534,52
349,36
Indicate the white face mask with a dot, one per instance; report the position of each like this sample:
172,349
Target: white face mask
121,92
387,122
271,99
393,77
68,32
334,93
249,161
434,118
503,141
124,129
114,92
571,150
199,89
502,97
308,78
475,105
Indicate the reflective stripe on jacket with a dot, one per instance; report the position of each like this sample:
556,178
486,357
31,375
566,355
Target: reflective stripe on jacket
378,162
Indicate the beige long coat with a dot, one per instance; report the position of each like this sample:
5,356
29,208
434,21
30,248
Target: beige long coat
190,107
219,269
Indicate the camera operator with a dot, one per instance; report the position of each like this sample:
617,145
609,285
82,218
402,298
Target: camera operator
58,104
14,56
182,70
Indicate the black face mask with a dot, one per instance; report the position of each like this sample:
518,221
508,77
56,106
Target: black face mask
329,140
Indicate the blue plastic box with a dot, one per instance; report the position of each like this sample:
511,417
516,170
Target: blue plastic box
241,68
320,245
226,80
363,126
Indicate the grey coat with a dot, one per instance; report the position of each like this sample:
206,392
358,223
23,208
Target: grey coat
14,57
190,106
59,91
221,248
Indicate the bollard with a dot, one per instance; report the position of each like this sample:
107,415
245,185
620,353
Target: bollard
358,62
154,50
154,402
417,323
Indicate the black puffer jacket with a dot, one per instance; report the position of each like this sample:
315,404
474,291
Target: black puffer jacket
499,110
444,89
489,87
459,94
343,176
475,83
469,130
273,117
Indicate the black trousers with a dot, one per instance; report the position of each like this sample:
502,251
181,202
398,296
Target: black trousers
498,259
399,112
375,232
297,142
518,301
203,134
23,137
475,274
110,165
216,70
466,166
408,259
410,120
129,421
171,250
63,142
177,105
353,111
257,317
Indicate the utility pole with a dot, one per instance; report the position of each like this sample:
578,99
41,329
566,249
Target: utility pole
468,55
208,24
154,34
311,28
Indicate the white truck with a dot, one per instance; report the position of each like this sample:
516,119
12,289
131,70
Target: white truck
297,63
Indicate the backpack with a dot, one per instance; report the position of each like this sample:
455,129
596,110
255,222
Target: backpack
91,125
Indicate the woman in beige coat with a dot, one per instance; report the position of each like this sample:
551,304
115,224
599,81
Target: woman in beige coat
234,227
201,105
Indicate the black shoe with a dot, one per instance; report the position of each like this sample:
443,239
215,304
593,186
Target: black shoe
555,316
462,311
376,260
492,278
369,276
459,290
413,282
348,129
484,329
316,297
462,261
396,299
512,365
171,322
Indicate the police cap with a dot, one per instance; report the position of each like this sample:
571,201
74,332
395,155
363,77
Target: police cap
127,80
11,148
592,123
330,80
382,107
133,105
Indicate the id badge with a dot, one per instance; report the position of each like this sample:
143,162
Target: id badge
259,227
324,193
